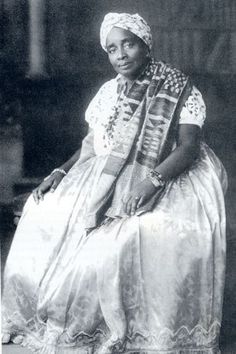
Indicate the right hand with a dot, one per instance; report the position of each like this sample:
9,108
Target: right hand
47,185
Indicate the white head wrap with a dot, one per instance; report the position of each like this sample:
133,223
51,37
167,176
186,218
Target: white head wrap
133,23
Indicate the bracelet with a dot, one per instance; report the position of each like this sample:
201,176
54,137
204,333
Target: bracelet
55,170
156,178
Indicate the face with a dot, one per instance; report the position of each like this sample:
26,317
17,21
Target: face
127,53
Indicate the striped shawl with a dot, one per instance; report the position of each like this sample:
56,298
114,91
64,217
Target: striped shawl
149,113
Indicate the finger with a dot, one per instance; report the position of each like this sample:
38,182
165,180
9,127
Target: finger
134,205
125,201
45,186
125,198
129,206
35,196
53,186
40,194
140,202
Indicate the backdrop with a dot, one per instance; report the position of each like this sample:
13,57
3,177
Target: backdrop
51,65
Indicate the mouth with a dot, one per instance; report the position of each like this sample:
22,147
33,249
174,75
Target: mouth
125,65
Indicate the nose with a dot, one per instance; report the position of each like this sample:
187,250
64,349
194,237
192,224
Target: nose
121,54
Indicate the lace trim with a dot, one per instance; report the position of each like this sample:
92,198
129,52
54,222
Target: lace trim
196,341
194,109
177,351
31,344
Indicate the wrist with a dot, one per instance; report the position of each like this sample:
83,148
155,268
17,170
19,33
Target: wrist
65,167
56,170
59,170
156,179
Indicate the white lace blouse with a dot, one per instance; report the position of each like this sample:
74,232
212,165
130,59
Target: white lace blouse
102,107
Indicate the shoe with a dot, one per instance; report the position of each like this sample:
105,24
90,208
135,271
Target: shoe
18,339
6,337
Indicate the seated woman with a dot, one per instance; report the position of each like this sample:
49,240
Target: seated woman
128,254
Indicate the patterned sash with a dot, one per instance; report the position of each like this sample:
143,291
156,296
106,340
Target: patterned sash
148,113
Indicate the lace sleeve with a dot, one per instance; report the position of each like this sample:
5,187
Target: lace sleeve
194,109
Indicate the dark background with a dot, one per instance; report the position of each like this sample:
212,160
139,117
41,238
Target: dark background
42,110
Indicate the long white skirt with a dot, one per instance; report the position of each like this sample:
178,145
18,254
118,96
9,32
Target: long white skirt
142,284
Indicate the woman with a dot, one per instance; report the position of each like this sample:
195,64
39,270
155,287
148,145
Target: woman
127,255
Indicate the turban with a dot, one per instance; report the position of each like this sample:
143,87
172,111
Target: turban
133,23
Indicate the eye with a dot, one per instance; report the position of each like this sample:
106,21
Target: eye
111,50
128,45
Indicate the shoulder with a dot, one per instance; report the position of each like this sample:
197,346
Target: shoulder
172,72
101,102
106,92
107,86
174,80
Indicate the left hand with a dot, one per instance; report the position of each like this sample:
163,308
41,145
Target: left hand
142,192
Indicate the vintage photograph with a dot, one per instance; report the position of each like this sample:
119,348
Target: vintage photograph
118,171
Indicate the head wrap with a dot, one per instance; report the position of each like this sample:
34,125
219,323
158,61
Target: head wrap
133,23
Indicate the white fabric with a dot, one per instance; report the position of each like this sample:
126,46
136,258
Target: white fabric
133,23
98,112
194,109
148,284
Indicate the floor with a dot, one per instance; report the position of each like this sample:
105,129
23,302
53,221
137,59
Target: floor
16,349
